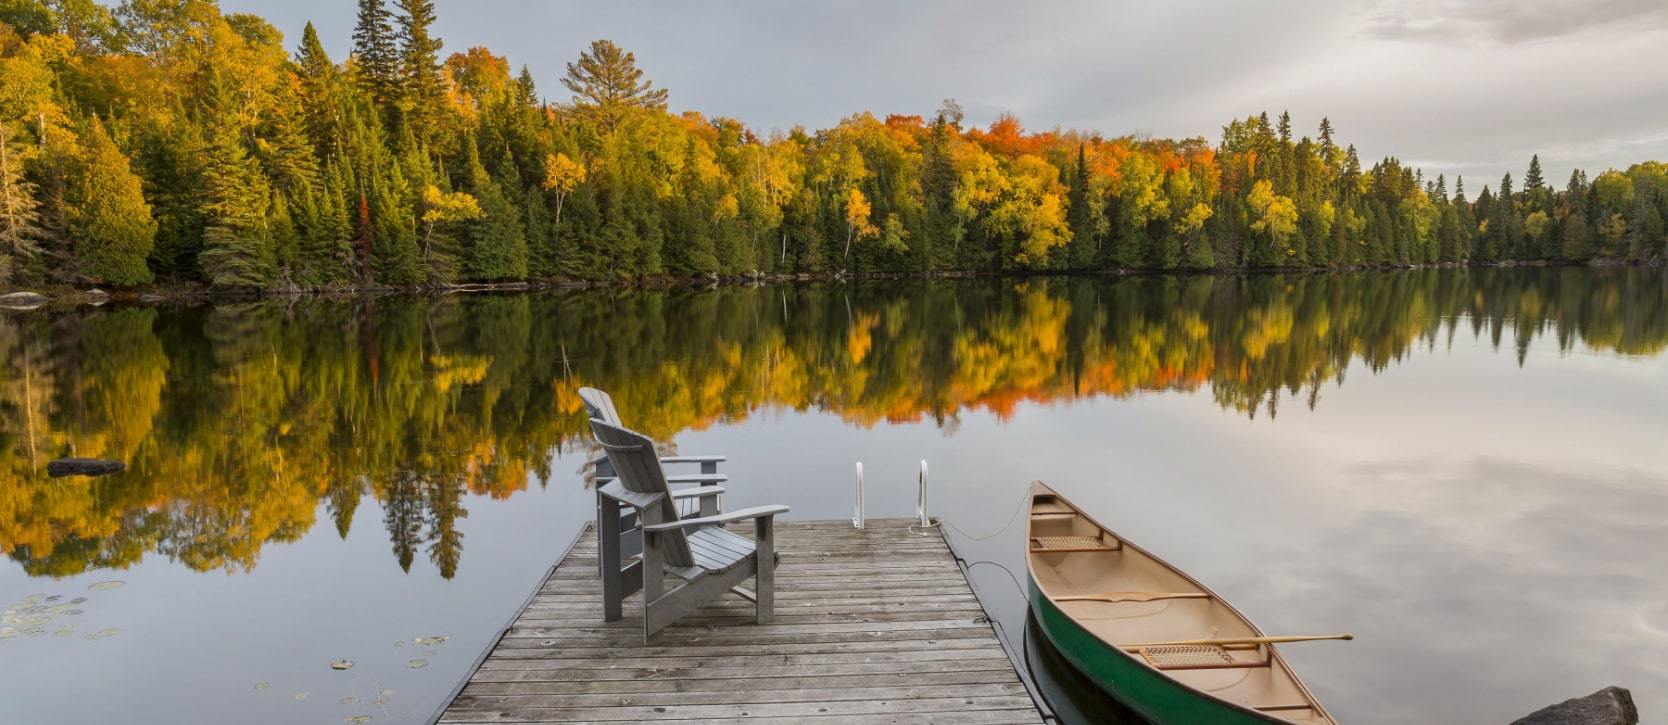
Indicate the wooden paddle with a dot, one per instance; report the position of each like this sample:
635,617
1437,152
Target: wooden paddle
1242,640
1131,596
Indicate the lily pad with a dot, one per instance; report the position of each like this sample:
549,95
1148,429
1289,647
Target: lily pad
300,695
262,685
357,718
417,664
104,633
342,665
430,653
351,700
430,641
101,586
67,630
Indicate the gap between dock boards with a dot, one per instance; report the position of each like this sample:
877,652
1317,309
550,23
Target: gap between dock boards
872,625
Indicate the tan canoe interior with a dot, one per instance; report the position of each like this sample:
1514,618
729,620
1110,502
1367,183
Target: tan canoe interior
1072,556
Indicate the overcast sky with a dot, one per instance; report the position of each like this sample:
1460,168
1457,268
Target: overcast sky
1466,86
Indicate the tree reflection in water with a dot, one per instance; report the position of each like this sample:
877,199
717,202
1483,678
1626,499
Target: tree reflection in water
238,420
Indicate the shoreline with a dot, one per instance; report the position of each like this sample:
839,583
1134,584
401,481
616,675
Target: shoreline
195,293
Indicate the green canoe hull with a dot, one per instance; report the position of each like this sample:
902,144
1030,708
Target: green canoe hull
1155,697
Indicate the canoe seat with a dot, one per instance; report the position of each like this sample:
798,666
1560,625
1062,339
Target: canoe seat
1193,657
1070,543
1186,654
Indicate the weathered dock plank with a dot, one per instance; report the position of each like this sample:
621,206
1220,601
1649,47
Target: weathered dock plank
872,626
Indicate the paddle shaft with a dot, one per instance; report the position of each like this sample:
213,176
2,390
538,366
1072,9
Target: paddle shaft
1131,596
1242,640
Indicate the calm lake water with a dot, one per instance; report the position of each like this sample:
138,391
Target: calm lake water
1466,469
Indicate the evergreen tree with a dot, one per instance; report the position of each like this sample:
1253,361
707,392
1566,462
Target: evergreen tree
375,56
237,243
606,82
316,95
420,67
497,247
1533,181
20,229
1080,219
110,223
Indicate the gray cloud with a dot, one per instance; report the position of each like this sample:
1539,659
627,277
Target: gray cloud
1509,21
1178,68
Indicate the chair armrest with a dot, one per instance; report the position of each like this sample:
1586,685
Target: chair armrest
697,492
742,515
693,459
706,479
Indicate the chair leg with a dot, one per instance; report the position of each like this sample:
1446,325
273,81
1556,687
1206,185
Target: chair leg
764,553
654,580
608,558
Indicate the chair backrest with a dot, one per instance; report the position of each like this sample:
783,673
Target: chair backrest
600,406
637,464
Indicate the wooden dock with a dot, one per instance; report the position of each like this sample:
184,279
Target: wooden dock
872,626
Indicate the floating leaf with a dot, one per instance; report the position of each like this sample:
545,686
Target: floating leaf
300,695
341,665
262,685
430,641
55,597
67,630
357,718
73,612
430,653
103,633
30,621
351,700
77,600
417,664
101,586
380,701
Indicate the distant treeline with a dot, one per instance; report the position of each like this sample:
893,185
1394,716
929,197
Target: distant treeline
163,141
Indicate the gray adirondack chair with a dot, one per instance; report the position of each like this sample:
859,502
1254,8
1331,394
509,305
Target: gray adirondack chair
708,491
699,551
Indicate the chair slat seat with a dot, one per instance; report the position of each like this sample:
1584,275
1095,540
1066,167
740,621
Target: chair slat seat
718,550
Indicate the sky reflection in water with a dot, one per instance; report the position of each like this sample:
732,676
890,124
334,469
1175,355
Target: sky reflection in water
318,481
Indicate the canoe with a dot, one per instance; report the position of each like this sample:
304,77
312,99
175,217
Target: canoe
1133,625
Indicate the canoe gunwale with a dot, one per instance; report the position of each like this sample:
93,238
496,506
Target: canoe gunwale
1041,596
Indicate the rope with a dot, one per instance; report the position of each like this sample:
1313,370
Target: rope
1011,519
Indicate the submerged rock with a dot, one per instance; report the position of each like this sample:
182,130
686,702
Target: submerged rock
1609,706
83,467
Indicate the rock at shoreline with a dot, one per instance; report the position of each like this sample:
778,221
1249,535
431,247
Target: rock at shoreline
22,300
1609,706
83,467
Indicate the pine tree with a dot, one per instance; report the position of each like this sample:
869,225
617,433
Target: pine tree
316,95
606,82
420,67
237,242
1080,250
1533,180
374,53
497,246
110,223
20,229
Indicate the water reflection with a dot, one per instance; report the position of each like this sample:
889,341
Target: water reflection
238,420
